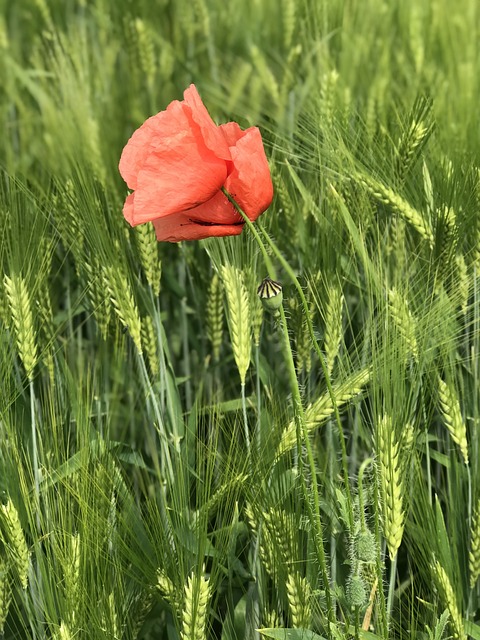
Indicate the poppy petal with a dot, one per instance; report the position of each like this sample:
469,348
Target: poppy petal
212,134
177,163
218,210
128,208
180,226
177,172
249,183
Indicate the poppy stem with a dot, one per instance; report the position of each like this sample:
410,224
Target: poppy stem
321,359
266,258
311,497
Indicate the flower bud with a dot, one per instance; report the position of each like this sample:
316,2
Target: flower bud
356,592
270,293
366,547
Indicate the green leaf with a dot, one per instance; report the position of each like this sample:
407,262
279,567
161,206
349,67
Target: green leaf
472,629
443,540
234,627
368,635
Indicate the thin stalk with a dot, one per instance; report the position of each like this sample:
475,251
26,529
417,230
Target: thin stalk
391,586
381,609
304,438
185,345
266,258
36,587
245,420
164,443
357,622
259,403
474,358
299,289
158,327
333,537
36,468
300,423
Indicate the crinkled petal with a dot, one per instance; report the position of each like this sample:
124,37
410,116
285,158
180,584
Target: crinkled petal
178,161
249,182
212,134
181,226
232,133
178,172
218,210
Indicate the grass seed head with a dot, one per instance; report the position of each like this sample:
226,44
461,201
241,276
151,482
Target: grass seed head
240,321
14,540
22,320
391,484
194,617
449,600
5,590
474,553
452,415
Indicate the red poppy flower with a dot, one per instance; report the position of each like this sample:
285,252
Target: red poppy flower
176,164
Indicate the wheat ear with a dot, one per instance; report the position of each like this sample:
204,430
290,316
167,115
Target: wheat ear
14,540
387,196
5,591
121,295
333,326
148,249
240,324
299,594
449,600
215,315
323,408
391,484
452,415
194,617
21,312
474,553
404,320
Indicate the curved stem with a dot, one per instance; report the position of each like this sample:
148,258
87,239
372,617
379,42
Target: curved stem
300,423
321,358
266,258
293,278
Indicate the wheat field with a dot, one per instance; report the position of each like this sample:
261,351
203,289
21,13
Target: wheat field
176,461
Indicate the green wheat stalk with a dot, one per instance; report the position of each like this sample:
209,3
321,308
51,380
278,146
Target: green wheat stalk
323,408
391,483
449,600
452,416
474,552
194,616
14,539
240,322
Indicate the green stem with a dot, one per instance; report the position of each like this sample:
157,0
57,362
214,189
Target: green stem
36,467
245,419
259,404
300,423
391,586
361,503
321,358
160,427
268,263
303,437
36,588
